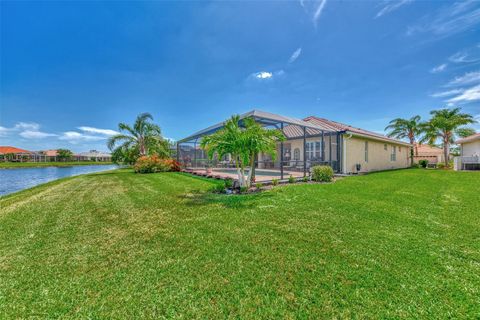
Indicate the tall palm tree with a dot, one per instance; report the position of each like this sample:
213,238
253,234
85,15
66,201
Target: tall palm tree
443,125
243,143
144,136
406,128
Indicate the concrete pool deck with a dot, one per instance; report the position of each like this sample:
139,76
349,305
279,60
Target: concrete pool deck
263,176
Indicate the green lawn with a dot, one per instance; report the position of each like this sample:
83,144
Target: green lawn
49,164
400,244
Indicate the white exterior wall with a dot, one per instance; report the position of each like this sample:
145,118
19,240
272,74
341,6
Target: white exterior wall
471,148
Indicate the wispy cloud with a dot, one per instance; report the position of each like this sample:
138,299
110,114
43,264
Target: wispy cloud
26,126
27,130
390,6
447,93
468,95
295,55
318,12
467,78
107,132
30,134
449,20
76,137
439,68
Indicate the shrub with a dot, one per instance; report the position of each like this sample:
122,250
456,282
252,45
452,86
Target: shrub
228,183
423,163
275,182
415,165
441,165
243,189
305,179
291,179
218,188
151,164
258,185
173,164
322,173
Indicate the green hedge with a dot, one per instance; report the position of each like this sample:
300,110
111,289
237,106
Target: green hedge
322,173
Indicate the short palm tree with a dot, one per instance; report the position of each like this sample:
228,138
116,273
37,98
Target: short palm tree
243,143
406,128
443,125
144,136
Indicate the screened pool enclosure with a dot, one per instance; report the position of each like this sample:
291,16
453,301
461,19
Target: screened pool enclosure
306,145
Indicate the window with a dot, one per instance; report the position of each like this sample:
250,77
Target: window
313,150
393,155
366,151
385,147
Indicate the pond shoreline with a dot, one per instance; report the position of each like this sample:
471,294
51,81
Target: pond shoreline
21,165
27,177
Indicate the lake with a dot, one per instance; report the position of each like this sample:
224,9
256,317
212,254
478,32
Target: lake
12,180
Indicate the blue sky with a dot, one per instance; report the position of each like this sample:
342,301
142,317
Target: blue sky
71,71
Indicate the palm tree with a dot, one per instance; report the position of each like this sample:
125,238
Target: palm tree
143,136
243,143
443,125
406,128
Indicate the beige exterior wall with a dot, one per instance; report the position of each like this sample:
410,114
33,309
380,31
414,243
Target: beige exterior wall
471,148
378,157
353,153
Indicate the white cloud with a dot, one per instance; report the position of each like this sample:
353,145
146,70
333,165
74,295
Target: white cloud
27,130
262,75
106,132
458,57
467,78
26,126
449,20
446,93
391,6
74,137
468,95
439,68
31,134
318,12
295,55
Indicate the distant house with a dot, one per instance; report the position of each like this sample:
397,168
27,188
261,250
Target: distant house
426,152
8,153
94,155
469,158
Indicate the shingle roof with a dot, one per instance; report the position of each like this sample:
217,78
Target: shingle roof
469,138
8,149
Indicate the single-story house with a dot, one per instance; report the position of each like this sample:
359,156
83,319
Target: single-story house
8,153
426,152
469,158
309,142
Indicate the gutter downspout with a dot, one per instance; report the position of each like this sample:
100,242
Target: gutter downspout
344,142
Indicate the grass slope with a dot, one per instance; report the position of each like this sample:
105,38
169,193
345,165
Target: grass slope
400,244
5,165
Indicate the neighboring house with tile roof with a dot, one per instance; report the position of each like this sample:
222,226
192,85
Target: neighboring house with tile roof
426,152
13,150
8,153
312,141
